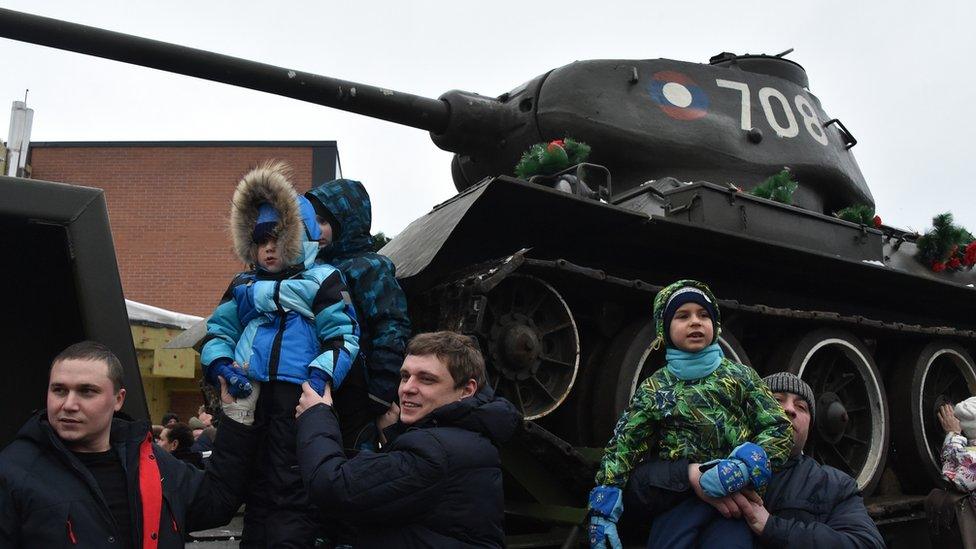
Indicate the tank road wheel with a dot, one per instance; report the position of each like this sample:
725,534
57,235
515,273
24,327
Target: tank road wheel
533,344
628,361
851,429
926,378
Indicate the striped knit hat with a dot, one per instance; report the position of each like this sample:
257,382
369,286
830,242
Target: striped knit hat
785,382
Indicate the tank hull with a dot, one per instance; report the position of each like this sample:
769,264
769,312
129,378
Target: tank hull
800,291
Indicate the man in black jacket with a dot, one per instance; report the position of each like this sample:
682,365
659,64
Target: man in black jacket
437,481
805,505
76,476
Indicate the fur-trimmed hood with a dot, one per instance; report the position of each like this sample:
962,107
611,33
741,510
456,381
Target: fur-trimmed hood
297,230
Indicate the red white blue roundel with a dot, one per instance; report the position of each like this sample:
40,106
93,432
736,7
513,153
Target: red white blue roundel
678,95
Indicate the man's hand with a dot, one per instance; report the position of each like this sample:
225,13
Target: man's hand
947,417
310,398
755,514
728,506
233,374
389,417
241,409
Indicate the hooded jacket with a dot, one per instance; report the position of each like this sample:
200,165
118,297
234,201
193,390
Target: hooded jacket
49,499
436,484
371,277
281,324
698,419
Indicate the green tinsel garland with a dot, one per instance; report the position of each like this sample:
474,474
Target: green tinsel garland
861,214
946,246
779,187
552,157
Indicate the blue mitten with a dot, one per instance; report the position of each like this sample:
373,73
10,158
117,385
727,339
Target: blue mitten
606,505
317,378
237,384
727,476
755,459
747,464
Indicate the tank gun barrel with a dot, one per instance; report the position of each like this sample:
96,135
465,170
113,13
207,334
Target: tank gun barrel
402,108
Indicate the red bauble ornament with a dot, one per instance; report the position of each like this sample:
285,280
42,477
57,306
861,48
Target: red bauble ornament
877,222
938,266
969,257
954,263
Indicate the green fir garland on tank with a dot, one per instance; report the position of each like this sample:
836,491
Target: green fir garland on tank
779,187
946,247
552,157
861,214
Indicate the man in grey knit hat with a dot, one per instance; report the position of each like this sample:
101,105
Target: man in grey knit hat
806,504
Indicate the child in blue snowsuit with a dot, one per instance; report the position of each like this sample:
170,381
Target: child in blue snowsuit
344,213
287,321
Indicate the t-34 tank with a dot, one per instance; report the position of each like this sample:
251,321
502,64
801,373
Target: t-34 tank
557,287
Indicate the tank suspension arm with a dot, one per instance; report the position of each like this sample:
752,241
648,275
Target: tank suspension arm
402,108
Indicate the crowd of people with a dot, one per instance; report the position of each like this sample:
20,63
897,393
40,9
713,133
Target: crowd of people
337,429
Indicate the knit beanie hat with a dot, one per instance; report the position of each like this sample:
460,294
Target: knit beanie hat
267,223
688,294
965,412
785,382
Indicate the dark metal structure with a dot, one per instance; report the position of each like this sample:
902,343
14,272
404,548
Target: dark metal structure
557,286
62,286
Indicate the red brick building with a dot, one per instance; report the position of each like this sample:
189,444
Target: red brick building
168,205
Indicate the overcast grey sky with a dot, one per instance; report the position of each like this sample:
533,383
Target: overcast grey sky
899,74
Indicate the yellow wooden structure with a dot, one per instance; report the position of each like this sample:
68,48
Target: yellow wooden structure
169,376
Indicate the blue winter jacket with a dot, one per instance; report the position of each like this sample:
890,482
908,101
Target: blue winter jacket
282,324
371,277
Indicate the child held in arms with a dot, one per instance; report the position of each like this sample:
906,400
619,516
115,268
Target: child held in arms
285,322
716,413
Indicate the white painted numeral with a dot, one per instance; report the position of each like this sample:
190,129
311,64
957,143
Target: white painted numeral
765,94
746,117
810,119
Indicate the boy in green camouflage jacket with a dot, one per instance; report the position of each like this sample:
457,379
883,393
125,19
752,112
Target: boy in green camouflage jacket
702,407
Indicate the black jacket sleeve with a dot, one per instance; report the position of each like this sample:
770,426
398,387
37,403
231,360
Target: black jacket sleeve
390,487
211,497
848,526
9,523
656,486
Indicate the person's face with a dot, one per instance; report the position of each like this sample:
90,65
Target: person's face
326,229
269,256
691,328
167,443
197,433
798,411
206,418
80,404
426,385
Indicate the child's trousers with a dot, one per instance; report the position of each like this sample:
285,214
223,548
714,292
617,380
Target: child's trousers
694,523
277,512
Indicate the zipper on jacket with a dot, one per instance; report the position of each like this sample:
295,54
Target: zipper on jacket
172,515
71,533
276,344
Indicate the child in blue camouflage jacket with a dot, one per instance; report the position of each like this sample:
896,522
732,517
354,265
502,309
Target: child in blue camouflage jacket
344,213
